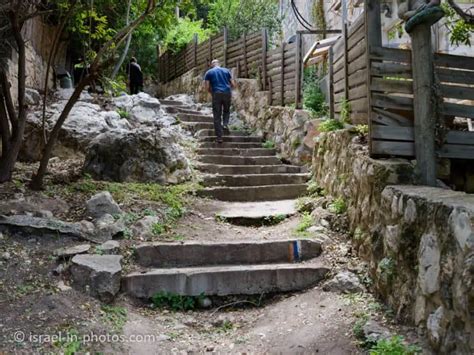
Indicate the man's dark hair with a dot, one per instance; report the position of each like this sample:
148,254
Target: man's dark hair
133,60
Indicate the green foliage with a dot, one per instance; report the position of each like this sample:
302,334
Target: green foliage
70,344
244,16
338,206
273,220
330,125
394,346
305,223
460,30
362,129
123,113
345,111
114,87
314,189
268,144
396,31
183,33
175,302
319,16
158,229
116,316
386,268
313,97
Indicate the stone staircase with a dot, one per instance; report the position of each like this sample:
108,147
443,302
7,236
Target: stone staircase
246,175
239,169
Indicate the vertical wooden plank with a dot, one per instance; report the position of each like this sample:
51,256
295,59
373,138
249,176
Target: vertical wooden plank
264,57
299,69
270,91
373,36
210,53
331,82
423,93
195,49
226,42
246,75
282,76
346,49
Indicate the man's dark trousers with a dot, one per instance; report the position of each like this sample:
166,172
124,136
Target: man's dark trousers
221,110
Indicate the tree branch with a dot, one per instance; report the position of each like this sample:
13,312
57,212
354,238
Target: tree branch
467,17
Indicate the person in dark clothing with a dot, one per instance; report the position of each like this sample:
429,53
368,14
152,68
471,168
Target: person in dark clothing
135,76
218,81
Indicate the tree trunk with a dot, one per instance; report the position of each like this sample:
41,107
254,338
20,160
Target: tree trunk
127,45
37,181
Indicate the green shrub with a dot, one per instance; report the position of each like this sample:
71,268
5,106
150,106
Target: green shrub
313,97
183,33
158,229
394,346
175,302
268,144
305,223
123,114
345,111
338,206
362,129
330,125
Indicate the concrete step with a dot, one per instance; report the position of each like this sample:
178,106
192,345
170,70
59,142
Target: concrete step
225,280
248,169
197,126
254,193
254,179
236,160
245,139
230,145
192,118
255,213
225,253
181,109
212,132
254,152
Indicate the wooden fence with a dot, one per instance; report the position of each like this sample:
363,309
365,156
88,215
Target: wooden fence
279,70
374,86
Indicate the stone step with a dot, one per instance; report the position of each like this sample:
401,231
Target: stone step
255,213
245,139
248,169
197,126
253,152
254,179
236,160
225,280
255,193
201,253
212,132
230,145
171,103
191,118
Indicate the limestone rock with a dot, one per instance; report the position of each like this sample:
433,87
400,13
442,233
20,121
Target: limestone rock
107,227
69,252
32,97
145,155
110,247
99,275
436,326
429,261
143,227
102,204
344,282
373,332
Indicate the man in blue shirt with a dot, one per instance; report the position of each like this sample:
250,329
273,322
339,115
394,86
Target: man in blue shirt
218,81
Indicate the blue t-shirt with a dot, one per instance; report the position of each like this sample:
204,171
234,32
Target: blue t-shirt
219,78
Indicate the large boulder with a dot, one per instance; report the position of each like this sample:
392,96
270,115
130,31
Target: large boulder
102,204
143,155
99,275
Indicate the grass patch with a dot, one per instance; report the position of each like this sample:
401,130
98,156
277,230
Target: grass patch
115,316
268,144
394,346
338,206
174,302
304,224
330,125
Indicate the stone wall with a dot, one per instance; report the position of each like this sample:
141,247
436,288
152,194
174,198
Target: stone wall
291,130
418,241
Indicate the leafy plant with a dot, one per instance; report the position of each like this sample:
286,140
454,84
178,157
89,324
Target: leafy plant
123,113
338,206
313,97
314,189
116,316
183,33
158,229
330,125
345,111
175,302
268,144
460,30
362,129
305,223
394,346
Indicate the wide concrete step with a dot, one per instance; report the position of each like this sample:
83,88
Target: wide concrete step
212,132
245,139
248,169
196,126
256,212
192,118
254,179
254,193
253,152
225,280
236,160
225,253
230,145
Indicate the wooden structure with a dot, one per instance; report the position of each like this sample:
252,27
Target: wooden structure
374,86
279,70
